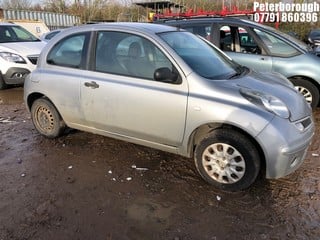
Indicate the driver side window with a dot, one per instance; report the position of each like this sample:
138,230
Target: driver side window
129,55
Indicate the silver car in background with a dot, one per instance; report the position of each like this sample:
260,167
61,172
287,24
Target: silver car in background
165,88
262,48
46,37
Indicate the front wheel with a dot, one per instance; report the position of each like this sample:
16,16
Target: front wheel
3,85
227,159
308,90
46,118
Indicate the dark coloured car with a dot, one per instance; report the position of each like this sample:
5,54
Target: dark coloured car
314,37
314,40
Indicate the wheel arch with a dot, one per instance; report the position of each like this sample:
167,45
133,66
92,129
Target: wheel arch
45,116
3,84
313,81
34,96
203,130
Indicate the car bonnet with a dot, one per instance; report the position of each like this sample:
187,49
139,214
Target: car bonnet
272,84
23,48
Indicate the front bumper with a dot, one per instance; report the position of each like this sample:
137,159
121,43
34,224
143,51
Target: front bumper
15,75
285,146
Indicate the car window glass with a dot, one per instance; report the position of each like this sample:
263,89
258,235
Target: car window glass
23,35
129,54
276,46
15,34
68,52
202,30
5,35
51,35
247,42
237,39
204,59
226,41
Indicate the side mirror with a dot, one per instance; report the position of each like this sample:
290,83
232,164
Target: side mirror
164,74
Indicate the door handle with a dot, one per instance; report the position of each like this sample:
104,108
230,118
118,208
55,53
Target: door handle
91,84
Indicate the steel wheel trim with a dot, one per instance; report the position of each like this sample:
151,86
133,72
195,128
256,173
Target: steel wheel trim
223,163
305,92
45,118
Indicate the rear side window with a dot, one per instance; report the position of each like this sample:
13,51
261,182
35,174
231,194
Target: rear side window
68,52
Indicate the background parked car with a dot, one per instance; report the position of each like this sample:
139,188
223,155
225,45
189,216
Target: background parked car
166,88
19,51
314,37
46,37
314,40
262,48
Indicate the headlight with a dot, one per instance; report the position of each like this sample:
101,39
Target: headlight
11,57
269,102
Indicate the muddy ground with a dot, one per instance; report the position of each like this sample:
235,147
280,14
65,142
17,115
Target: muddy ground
84,186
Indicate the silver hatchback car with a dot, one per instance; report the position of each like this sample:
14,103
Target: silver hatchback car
165,88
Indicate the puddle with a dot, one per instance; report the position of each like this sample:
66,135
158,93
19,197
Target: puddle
148,211
11,96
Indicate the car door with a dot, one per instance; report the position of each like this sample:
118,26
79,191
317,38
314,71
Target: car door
66,66
120,96
281,52
242,46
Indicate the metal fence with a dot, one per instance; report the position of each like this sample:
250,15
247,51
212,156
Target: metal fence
52,20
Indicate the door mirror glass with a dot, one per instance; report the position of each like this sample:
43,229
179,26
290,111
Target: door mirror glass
164,74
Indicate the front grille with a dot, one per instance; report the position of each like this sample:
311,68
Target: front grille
33,59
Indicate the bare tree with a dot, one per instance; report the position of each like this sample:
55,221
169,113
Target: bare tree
16,4
59,6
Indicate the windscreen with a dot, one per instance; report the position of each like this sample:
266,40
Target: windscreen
15,34
201,57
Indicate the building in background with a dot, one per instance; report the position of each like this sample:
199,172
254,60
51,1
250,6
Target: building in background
37,22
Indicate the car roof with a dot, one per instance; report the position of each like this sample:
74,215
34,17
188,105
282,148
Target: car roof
236,20
146,27
7,24
240,21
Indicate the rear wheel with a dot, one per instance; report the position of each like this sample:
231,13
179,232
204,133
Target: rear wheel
46,118
308,90
227,159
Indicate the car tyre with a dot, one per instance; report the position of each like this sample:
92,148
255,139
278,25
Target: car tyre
46,118
3,85
308,90
227,159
